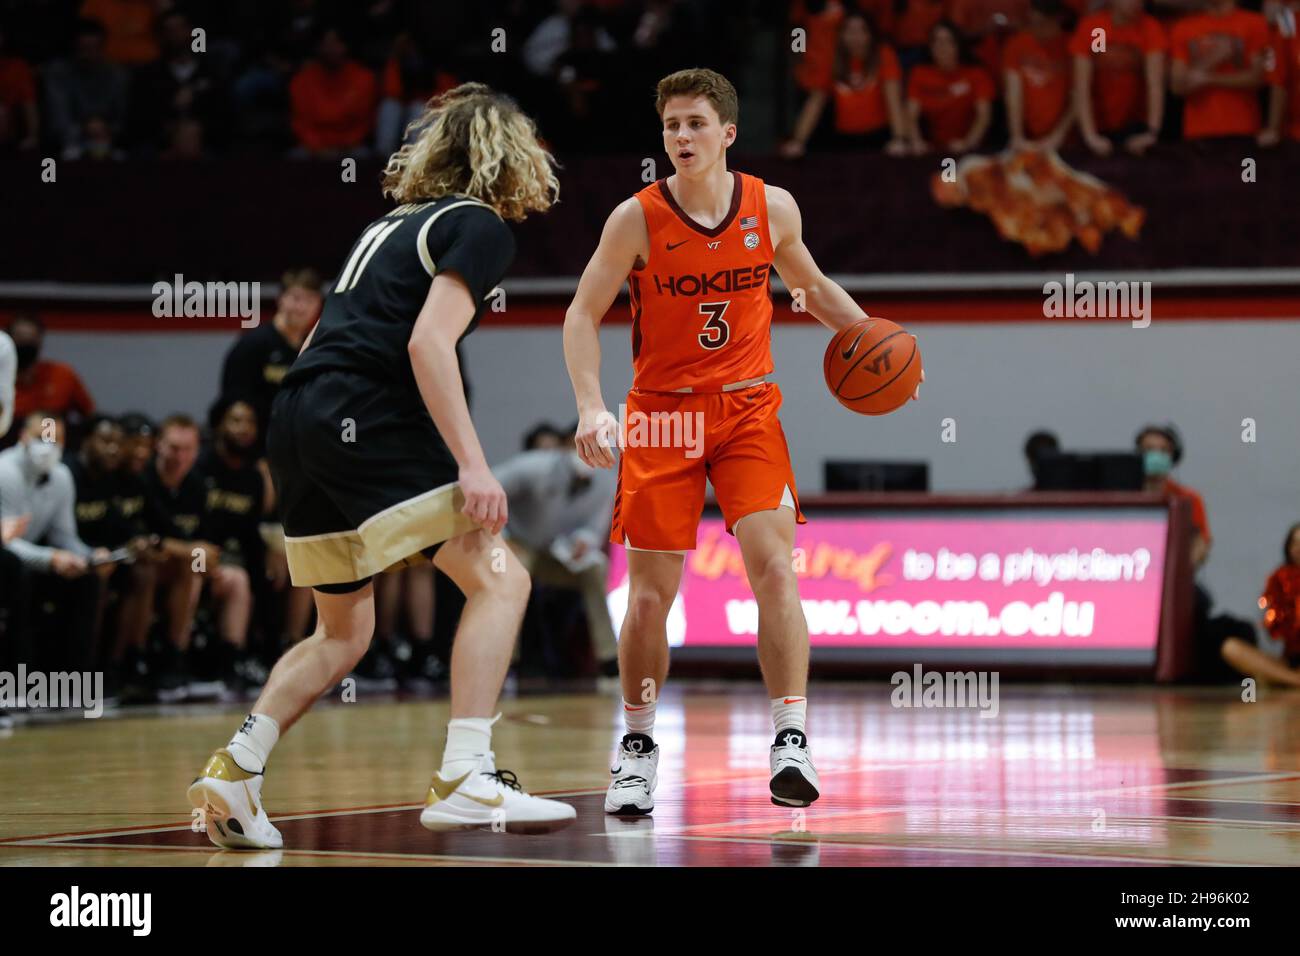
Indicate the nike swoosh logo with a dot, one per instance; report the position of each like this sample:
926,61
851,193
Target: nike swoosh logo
793,700
848,352
442,789
674,245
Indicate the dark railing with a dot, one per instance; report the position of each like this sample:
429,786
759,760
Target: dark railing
863,214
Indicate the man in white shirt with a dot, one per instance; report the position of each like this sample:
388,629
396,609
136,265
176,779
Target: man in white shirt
35,485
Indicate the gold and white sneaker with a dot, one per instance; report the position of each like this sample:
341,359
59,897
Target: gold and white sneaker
488,797
230,801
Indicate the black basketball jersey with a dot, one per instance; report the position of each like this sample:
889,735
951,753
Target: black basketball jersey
372,306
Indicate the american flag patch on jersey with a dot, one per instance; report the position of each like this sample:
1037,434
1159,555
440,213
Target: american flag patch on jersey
749,222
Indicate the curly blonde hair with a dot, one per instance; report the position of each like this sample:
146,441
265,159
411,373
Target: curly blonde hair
473,141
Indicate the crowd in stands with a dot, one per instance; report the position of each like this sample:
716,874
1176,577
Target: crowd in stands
111,79
184,79
955,76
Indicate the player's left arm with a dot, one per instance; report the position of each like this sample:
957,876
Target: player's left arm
825,299
812,290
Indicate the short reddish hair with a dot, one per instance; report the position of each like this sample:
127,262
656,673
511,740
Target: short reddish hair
713,86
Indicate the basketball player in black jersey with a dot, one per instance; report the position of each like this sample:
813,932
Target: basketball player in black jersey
376,463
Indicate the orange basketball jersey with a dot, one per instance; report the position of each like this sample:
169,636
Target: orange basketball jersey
701,305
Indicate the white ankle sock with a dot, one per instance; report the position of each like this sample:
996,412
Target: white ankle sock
640,718
468,739
789,713
252,743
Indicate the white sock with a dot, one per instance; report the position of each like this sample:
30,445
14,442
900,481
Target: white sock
252,743
468,739
640,718
789,713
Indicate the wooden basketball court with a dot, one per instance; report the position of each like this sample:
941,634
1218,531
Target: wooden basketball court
1062,775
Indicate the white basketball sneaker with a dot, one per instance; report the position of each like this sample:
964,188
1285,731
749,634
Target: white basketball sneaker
794,779
633,777
229,799
488,797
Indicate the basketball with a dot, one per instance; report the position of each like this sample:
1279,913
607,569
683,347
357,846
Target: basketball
873,366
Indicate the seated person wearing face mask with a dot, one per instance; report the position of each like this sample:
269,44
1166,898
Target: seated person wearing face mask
1161,449
34,482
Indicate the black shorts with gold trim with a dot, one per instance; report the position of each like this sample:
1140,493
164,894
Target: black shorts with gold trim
363,479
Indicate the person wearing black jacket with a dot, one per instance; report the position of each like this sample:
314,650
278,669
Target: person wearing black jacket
259,359
175,502
110,513
237,496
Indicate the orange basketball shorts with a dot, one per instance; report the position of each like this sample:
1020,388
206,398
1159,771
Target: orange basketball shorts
673,441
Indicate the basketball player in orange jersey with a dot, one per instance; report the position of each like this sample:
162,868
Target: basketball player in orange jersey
697,250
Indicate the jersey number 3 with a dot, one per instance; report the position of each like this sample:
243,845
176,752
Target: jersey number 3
716,331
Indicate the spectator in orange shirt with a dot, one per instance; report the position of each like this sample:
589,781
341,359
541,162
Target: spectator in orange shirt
951,98
332,101
1219,60
1284,73
820,21
19,120
1036,79
865,93
883,15
131,39
1119,85
410,78
987,25
916,21
42,385
1161,449
1280,603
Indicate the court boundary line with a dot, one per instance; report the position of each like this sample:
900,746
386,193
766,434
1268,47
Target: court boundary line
54,838
416,857
1262,777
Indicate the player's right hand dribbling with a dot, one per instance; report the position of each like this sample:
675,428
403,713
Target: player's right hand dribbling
597,432
485,499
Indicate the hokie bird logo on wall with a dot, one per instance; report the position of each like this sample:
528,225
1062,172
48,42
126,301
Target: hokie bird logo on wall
1038,201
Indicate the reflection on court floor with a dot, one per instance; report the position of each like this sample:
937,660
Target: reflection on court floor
1061,776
